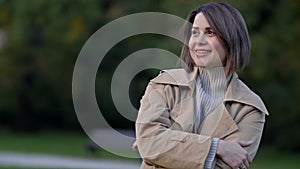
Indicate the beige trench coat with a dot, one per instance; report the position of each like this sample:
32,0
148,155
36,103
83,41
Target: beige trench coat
166,137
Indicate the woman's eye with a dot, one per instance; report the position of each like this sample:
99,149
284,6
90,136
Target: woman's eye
195,32
210,33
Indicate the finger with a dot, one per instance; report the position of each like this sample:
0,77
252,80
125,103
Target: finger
134,147
249,159
246,163
245,143
237,167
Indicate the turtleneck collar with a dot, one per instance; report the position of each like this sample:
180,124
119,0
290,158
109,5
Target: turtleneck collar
214,77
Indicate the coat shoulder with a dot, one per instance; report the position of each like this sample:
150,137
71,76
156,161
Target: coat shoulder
240,92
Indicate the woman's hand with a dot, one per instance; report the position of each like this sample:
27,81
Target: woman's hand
233,153
134,146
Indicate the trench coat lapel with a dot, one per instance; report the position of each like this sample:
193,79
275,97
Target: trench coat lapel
218,123
185,80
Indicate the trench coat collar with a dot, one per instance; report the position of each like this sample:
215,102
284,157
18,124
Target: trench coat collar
237,91
179,77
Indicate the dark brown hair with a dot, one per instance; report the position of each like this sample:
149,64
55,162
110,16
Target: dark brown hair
231,29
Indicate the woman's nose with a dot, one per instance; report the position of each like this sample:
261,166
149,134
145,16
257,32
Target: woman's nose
202,39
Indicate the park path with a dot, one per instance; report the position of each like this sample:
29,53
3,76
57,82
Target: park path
13,159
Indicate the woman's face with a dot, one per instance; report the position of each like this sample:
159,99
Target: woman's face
205,47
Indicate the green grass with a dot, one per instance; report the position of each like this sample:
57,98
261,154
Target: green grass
56,143
270,158
52,143
72,144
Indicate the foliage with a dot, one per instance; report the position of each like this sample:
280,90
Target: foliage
36,66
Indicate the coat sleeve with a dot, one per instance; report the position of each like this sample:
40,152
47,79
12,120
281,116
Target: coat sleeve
158,143
250,122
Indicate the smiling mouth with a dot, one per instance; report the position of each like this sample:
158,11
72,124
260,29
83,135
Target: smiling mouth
202,53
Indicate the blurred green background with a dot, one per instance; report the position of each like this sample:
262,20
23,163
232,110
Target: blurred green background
40,41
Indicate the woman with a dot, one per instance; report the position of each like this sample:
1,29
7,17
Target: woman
203,116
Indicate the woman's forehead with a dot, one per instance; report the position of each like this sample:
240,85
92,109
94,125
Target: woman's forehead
200,22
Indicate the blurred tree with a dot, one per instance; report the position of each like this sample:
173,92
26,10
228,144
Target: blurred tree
45,38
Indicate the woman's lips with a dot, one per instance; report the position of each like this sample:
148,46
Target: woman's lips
202,52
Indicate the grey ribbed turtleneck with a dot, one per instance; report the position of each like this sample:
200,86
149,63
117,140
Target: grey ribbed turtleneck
211,85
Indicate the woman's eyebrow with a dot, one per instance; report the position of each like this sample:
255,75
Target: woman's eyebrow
208,28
